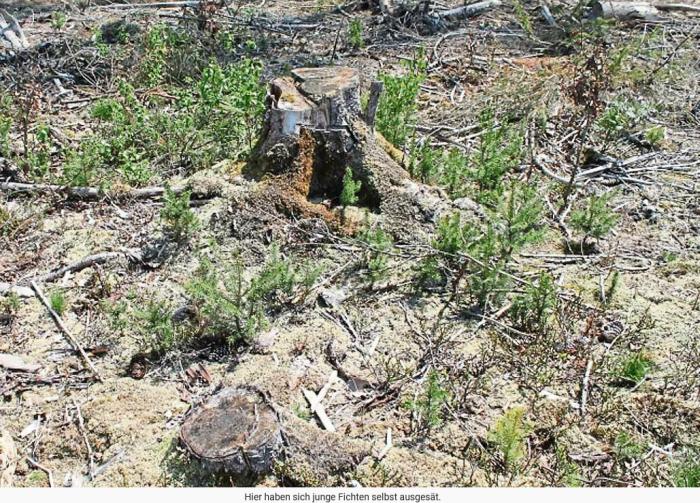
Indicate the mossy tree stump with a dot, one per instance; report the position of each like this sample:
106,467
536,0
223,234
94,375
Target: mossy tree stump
314,132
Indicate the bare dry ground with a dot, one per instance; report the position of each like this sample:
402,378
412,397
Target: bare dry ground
594,382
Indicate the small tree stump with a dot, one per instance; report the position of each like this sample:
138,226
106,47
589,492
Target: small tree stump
235,431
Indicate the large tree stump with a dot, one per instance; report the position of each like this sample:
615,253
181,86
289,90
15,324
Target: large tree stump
236,431
314,132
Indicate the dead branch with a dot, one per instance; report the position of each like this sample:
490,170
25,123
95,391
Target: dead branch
48,472
131,254
86,193
470,10
59,323
153,5
584,386
624,11
12,32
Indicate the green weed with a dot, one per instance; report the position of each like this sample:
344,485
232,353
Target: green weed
500,150
9,305
157,327
686,473
430,405
531,310
398,103
378,244
351,188
627,448
655,136
524,19
520,213
217,116
58,20
593,218
635,367
58,302
508,435
232,305
180,221
355,34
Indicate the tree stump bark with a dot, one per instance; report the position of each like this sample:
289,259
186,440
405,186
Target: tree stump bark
236,431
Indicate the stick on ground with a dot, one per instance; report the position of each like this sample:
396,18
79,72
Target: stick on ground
59,323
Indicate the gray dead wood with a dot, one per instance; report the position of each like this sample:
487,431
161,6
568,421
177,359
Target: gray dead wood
677,7
388,7
132,254
470,10
87,193
316,405
11,34
584,386
547,15
44,469
62,327
152,5
625,11
235,431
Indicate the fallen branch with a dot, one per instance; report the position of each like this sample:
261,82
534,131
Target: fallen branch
469,10
678,6
153,5
12,32
131,254
625,11
14,362
315,402
584,386
59,323
89,193
83,433
387,447
48,472
105,466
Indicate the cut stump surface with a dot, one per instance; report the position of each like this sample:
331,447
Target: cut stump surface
235,431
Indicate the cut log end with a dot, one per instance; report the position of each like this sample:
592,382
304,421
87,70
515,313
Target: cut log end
236,431
317,98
